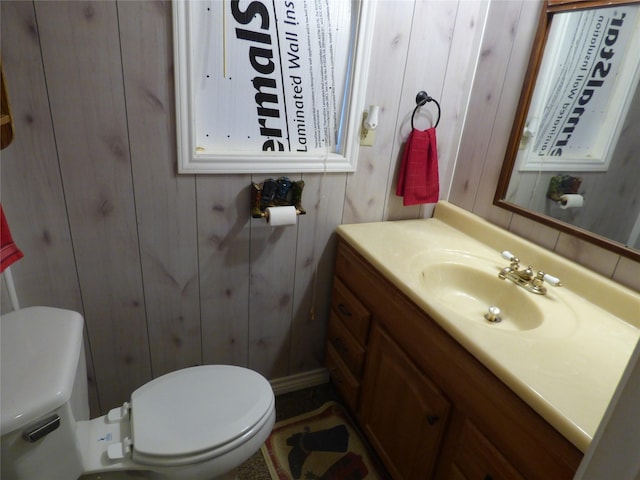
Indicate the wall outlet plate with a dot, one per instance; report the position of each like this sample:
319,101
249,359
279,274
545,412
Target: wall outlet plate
367,138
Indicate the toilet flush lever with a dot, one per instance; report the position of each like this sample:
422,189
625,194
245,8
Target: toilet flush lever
42,428
116,415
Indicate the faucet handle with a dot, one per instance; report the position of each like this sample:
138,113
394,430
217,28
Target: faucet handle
550,279
507,255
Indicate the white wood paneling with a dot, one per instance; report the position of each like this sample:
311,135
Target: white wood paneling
271,282
432,27
497,45
315,258
32,193
465,45
522,33
165,202
224,241
626,272
367,187
81,57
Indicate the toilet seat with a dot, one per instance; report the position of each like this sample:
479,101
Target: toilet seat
197,413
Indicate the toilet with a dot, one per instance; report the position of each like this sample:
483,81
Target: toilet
198,423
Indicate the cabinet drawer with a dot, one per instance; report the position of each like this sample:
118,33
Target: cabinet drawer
477,457
351,352
354,315
348,387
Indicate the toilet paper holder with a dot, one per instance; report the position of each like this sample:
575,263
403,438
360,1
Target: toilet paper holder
563,184
281,192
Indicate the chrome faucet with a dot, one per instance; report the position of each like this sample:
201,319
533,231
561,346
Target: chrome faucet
526,277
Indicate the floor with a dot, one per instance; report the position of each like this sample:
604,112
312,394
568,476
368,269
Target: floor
287,405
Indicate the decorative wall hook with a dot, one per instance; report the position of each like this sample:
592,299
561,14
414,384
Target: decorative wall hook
421,99
276,193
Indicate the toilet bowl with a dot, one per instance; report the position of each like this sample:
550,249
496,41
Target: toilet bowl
193,424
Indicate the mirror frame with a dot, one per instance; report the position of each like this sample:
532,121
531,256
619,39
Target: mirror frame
549,8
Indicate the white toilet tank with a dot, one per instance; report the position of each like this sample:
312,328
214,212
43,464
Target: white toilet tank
43,393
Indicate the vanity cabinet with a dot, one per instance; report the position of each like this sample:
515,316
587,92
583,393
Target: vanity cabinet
428,407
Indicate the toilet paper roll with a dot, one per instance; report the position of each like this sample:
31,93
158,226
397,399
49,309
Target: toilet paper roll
279,216
571,201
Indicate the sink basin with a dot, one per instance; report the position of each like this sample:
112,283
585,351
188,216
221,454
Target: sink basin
468,292
460,287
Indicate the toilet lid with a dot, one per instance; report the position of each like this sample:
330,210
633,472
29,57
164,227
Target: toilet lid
197,409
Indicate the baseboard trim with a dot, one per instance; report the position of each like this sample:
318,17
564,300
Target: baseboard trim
299,381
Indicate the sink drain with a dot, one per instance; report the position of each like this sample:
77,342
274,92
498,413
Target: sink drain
493,315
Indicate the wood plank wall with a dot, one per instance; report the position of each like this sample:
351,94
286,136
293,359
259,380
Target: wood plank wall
170,271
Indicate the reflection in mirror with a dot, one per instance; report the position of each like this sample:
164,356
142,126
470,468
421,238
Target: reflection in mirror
573,159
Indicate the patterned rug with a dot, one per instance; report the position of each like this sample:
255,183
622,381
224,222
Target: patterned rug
319,445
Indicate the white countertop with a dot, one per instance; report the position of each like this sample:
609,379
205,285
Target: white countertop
566,372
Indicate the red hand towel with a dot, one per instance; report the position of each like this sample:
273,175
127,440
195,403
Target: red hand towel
418,180
9,252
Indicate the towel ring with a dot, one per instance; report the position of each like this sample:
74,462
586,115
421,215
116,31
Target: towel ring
421,98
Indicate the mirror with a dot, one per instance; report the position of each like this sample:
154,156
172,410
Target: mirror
572,159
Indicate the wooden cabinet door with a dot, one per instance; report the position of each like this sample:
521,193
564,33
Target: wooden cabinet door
477,458
402,412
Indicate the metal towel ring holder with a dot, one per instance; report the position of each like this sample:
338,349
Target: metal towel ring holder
422,98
